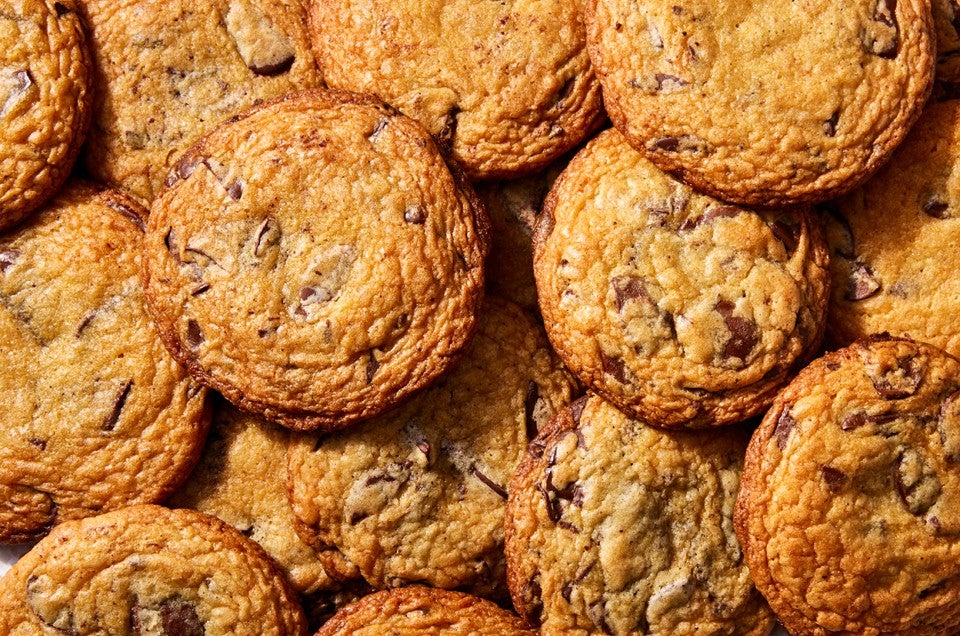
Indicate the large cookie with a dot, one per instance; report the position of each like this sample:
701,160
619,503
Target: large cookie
96,413
315,260
680,309
767,102
849,508
616,527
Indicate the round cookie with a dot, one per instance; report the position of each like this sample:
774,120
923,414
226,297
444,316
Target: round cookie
168,71
45,98
506,86
96,414
764,103
148,570
888,240
849,508
616,527
418,611
315,260
417,495
681,310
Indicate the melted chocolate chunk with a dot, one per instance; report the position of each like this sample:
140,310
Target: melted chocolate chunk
936,208
863,283
277,68
448,129
489,483
835,479
744,333
615,367
372,365
267,236
787,233
830,125
682,143
669,83
899,381
194,334
415,215
783,429
576,409
128,213
8,258
113,417
627,288
177,618
61,9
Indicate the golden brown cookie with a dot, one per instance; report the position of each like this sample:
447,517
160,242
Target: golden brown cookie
168,71
682,310
507,86
45,96
946,20
148,570
849,507
96,414
315,260
417,495
417,611
764,103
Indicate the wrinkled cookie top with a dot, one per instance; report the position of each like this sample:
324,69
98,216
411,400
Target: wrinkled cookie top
315,260
888,240
506,85
616,527
45,95
168,71
678,308
96,414
148,570
417,495
417,611
764,103
849,511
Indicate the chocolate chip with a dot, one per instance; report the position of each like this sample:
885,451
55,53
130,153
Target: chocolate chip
854,420
188,164
552,505
787,233
531,600
948,424
194,334
744,333
61,9
54,614
615,367
881,36
930,589
681,143
110,421
235,189
84,323
310,295
171,241
898,381
267,236
627,288
489,483
529,403
830,125
372,365
200,289
862,284
835,479
916,481
424,447
576,409
176,617
936,207
8,258
415,215
269,69
448,128
785,425
128,213
669,83
39,443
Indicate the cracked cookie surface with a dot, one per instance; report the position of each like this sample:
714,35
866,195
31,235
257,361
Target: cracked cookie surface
849,509
680,309
764,103
315,260
616,527
97,415
148,570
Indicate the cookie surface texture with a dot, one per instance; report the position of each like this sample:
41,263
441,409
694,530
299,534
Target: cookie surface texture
45,97
315,260
168,72
680,309
711,92
97,414
507,86
616,527
418,494
849,510
148,570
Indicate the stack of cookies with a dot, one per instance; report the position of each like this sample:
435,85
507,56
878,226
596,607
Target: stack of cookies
359,317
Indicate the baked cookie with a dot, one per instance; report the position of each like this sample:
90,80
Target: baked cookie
148,570
849,508
415,611
417,494
96,414
681,310
315,260
888,238
616,527
946,20
45,96
168,71
764,103
506,86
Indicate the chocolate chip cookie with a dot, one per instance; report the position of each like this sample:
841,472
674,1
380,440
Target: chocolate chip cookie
96,413
616,527
946,20
764,103
681,310
45,97
849,508
506,86
315,260
148,570
889,241
417,495
168,71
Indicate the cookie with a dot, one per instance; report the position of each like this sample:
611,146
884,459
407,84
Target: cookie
764,103
849,508
417,495
45,97
148,570
617,527
888,238
315,260
681,310
507,87
96,414
414,611
946,21
167,72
